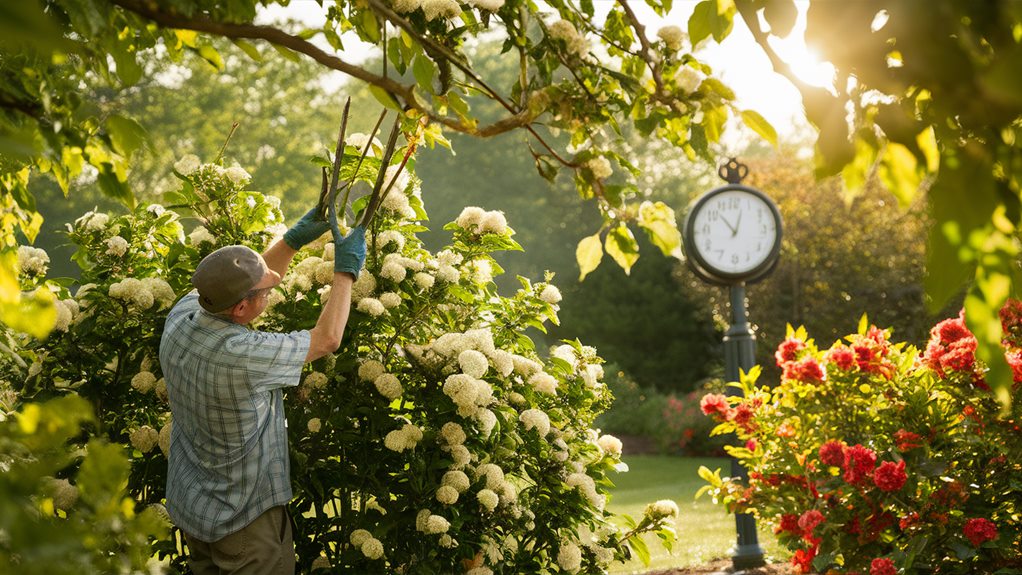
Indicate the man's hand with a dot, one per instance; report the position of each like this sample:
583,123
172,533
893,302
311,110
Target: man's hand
350,250
307,229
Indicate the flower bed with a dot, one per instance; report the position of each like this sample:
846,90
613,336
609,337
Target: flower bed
871,457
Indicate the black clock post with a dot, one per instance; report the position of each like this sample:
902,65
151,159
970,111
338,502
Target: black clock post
739,341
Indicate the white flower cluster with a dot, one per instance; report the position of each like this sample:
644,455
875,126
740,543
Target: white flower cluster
364,286
569,557
610,445
397,200
454,437
314,425
430,524
359,140
390,300
92,222
468,393
143,382
364,541
550,294
187,164
63,493
315,380
480,221
407,437
447,9
535,419
238,175
565,31
165,432
488,5
565,353
688,79
587,486
497,487
592,374
371,306
661,510
201,235
142,294
544,383
370,369
32,261
144,438
388,386
67,312
600,167
116,246
672,37
388,237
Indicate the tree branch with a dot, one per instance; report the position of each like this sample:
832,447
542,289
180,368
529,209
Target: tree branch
647,50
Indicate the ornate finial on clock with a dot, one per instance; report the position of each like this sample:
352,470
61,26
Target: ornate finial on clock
733,172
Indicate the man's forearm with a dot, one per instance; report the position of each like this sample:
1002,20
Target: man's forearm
278,257
329,330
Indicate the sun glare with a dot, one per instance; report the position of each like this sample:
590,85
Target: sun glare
806,64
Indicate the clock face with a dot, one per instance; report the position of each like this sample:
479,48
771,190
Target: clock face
734,232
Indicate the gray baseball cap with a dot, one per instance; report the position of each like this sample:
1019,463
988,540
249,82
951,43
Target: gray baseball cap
226,275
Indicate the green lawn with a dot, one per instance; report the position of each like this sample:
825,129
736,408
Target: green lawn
705,531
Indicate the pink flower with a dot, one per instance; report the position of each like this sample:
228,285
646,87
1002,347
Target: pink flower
882,567
859,463
806,370
952,347
890,476
832,453
714,403
842,356
809,520
788,350
742,417
979,530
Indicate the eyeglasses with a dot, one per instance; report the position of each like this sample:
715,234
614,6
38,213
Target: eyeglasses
260,293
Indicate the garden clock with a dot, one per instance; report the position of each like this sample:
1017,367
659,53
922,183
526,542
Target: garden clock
732,234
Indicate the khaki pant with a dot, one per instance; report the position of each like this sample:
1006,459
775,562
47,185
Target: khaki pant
263,547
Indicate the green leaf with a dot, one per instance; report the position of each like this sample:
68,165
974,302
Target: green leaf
899,172
661,226
126,134
248,48
128,69
104,473
32,313
711,17
760,125
714,118
423,69
589,253
382,96
640,548
621,246
210,54
367,25
113,187
286,52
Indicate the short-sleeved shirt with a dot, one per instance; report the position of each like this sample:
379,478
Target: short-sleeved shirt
228,448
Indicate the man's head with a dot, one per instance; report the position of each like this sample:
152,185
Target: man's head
234,280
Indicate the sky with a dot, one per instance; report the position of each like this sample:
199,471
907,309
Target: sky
739,61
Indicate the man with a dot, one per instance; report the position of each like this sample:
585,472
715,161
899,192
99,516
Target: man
228,482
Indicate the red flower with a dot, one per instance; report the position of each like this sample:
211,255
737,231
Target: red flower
908,521
714,403
788,350
788,524
751,445
742,416
882,567
859,463
871,352
1014,359
803,560
832,453
907,440
806,370
1011,322
952,347
979,530
842,356
809,521
890,476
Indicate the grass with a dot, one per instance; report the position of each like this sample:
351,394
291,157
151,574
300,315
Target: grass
705,531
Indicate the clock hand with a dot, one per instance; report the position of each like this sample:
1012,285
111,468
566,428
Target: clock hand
738,222
734,229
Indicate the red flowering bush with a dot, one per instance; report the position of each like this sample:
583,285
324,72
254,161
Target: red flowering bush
874,457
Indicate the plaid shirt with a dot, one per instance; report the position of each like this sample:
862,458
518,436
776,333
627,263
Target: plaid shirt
228,448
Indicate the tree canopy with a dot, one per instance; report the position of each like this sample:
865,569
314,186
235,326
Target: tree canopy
926,96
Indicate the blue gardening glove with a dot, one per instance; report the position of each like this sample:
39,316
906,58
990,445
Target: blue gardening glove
305,230
350,250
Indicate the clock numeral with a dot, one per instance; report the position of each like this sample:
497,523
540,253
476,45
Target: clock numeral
734,258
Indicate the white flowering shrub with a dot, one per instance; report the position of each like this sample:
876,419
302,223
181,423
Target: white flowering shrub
437,440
